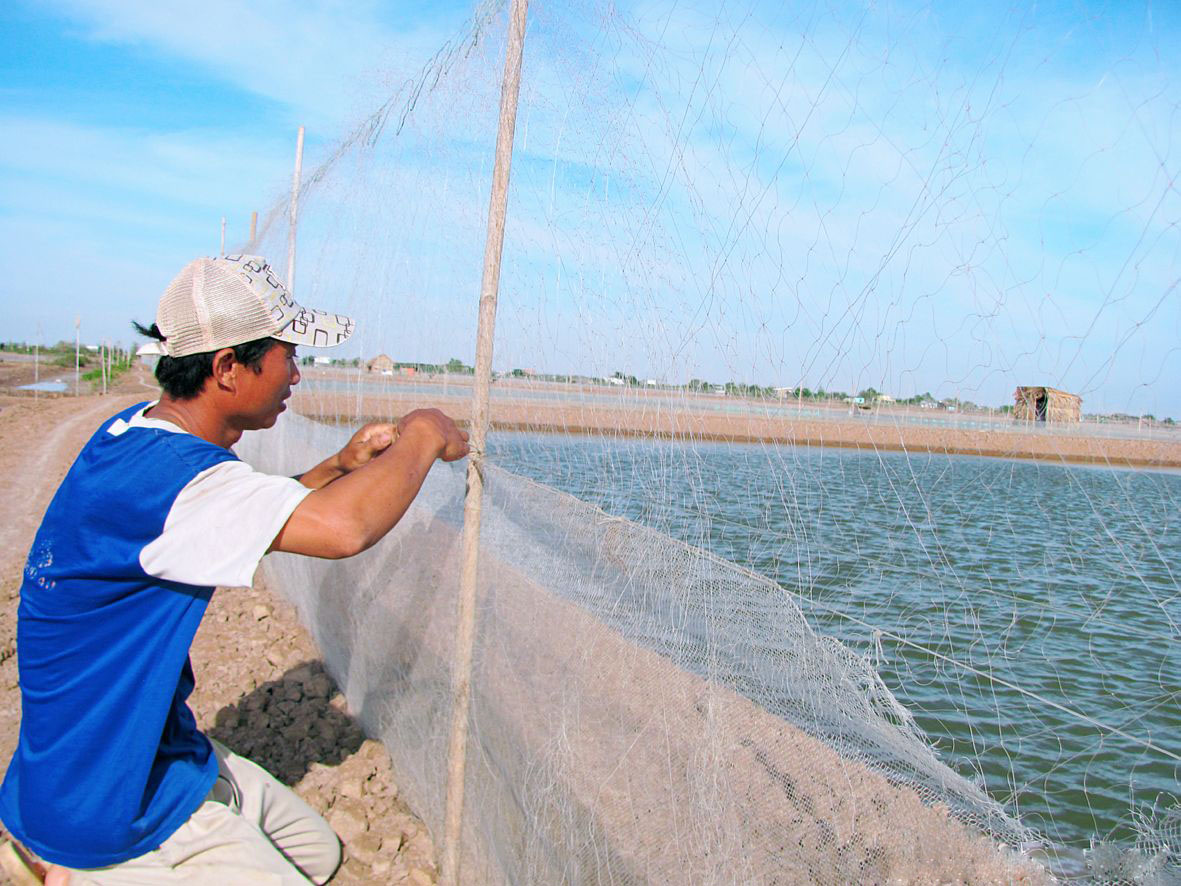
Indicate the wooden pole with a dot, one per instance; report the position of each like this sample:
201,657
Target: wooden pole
295,180
253,229
466,611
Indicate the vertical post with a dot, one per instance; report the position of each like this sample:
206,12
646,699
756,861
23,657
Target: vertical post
102,365
473,503
222,253
77,341
253,229
295,180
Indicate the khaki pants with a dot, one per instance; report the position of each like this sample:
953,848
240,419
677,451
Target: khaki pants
250,829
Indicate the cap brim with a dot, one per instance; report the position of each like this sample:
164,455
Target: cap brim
316,329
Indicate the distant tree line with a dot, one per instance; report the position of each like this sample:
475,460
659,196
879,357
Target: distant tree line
869,395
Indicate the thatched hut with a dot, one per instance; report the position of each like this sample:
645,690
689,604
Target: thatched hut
1035,403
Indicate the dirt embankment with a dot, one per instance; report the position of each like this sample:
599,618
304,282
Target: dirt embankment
261,688
690,423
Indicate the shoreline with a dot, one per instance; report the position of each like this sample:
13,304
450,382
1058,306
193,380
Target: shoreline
689,425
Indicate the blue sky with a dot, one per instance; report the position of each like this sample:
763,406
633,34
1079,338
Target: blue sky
915,197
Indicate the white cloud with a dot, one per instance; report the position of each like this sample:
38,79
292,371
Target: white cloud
308,56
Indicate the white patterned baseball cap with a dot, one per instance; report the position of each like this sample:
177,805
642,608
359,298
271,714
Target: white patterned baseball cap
216,303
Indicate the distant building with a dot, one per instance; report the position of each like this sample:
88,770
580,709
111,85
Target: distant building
381,363
1034,403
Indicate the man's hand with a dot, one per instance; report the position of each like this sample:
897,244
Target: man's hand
451,440
347,515
365,444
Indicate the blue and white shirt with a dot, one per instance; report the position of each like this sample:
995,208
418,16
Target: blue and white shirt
147,521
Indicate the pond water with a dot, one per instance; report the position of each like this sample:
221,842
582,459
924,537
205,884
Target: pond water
1027,614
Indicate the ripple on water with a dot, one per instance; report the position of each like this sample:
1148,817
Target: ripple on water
1059,580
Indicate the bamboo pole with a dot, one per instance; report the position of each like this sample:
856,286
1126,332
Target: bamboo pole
473,503
295,180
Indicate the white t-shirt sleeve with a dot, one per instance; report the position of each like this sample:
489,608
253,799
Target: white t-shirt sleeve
221,525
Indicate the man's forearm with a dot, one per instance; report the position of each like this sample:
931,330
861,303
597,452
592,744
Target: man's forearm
352,512
322,474
360,450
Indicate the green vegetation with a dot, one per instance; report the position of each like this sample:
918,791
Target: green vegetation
60,354
121,361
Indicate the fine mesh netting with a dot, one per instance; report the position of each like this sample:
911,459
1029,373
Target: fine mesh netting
643,711
774,585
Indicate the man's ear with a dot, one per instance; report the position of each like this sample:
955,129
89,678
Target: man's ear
225,369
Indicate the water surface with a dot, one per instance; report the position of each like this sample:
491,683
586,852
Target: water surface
1027,614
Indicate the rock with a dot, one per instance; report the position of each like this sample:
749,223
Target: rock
275,655
315,797
318,686
404,826
373,752
381,869
351,788
399,872
365,847
347,818
260,612
419,877
296,730
284,707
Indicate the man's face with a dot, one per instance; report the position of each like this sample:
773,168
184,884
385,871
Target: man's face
265,388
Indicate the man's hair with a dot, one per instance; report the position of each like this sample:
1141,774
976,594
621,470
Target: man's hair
182,378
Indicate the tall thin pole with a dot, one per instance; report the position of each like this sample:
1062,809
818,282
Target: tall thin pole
295,180
77,350
253,229
473,504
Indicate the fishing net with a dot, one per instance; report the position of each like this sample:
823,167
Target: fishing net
741,617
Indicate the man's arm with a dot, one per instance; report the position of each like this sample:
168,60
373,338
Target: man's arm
353,512
364,446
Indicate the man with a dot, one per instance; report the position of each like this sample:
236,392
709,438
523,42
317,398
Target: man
111,777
